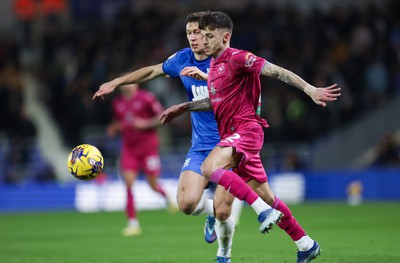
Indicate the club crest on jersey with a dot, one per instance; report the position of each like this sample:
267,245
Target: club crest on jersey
250,59
221,68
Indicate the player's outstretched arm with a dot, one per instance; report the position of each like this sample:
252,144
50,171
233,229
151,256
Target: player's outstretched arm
194,72
135,77
177,110
320,95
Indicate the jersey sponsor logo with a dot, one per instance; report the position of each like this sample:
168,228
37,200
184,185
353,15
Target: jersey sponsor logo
250,59
216,100
213,90
199,92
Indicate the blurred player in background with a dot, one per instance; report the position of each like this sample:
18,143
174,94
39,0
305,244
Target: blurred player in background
205,134
136,115
354,193
234,89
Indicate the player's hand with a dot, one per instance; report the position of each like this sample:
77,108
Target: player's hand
171,113
194,72
323,95
105,89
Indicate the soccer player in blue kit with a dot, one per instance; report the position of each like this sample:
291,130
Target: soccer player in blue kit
205,134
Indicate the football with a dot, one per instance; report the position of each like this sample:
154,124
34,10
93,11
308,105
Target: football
85,162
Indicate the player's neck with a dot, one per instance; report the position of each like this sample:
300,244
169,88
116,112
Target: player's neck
198,56
221,51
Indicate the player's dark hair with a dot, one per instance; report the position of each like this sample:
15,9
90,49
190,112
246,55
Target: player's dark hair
216,20
194,17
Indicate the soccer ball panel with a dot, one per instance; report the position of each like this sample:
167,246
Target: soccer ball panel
85,162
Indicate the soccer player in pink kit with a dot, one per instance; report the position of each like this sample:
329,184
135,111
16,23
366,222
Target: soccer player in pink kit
234,92
136,115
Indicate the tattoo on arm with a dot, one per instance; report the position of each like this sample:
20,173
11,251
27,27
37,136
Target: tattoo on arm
290,78
199,105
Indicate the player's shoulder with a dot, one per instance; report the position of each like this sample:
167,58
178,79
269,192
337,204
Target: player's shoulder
236,53
182,54
238,56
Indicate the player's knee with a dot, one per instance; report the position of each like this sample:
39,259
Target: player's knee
269,200
222,213
187,205
207,169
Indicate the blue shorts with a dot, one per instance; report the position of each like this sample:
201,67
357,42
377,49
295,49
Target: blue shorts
193,161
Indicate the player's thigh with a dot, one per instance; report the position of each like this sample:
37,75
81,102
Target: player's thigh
219,157
223,201
263,190
191,186
129,166
129,177
152,180
150,164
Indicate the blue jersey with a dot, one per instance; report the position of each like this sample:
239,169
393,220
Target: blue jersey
204,126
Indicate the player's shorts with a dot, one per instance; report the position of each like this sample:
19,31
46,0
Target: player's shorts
248,141
147,161
193,161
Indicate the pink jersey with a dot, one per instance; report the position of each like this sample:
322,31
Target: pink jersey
142,105
234,89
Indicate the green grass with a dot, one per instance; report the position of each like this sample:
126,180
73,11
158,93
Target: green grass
369,233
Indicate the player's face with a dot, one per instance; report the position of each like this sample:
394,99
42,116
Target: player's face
195,37
214,41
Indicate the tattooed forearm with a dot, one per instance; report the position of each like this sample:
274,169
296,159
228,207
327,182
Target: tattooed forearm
199,105
290,78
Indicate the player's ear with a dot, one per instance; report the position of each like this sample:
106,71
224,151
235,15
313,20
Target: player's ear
227,37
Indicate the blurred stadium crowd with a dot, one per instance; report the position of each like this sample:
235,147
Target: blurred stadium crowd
358,48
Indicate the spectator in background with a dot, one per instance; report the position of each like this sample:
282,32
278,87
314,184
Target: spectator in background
388,151
136,117
292,162
15,123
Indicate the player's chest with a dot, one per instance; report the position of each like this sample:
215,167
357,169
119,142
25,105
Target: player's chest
130,107
220,79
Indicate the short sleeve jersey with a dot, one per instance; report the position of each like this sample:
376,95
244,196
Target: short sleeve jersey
204,126
234,89
143,105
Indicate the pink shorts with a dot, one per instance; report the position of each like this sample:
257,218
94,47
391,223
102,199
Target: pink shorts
249,142
147,161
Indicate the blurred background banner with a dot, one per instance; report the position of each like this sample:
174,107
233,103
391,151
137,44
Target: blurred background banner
294,188
54,54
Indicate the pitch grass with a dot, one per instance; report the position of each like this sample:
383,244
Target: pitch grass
368,233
